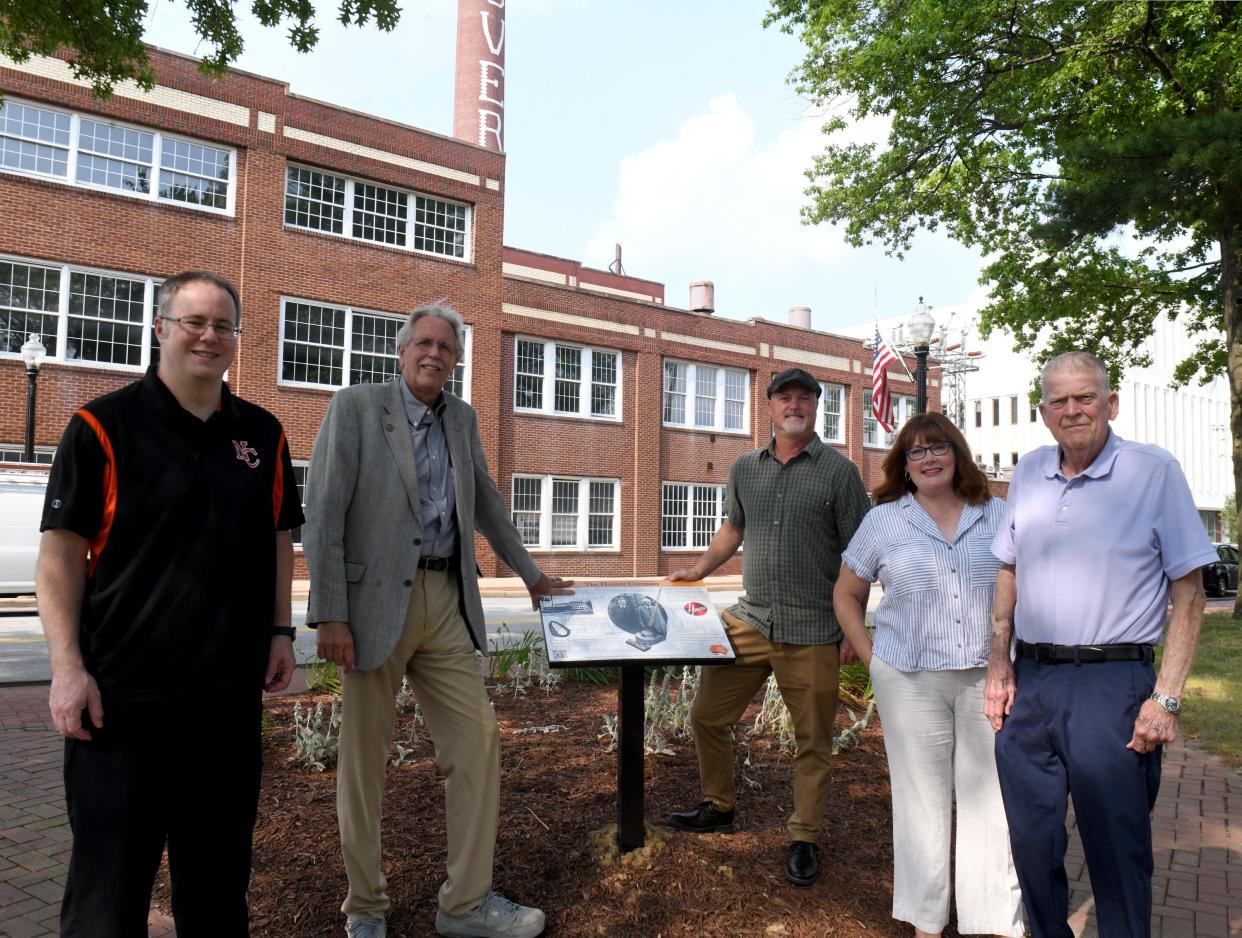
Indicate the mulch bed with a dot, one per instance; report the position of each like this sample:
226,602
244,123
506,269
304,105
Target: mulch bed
556,847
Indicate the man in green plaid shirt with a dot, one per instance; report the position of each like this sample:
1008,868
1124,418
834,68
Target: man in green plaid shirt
796,503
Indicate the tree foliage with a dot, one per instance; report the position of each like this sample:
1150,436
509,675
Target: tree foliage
1091,151
105,36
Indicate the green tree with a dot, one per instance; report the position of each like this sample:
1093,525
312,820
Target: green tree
106,35
1092,152
1229,520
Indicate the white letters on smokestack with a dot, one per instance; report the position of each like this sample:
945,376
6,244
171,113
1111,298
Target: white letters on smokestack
479,94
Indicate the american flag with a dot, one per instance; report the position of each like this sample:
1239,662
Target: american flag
881,398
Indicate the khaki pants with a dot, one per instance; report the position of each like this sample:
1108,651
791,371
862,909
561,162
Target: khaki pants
436,654
807,677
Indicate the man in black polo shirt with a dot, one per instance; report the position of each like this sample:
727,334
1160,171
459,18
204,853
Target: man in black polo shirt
163,581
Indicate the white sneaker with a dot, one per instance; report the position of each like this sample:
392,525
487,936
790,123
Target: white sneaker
366,926
494,917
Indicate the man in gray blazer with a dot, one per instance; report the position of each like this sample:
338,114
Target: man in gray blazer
398,485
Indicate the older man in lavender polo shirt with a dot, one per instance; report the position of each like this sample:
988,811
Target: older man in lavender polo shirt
1098,532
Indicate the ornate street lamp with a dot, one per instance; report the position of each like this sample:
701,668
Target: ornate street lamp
919,331
33,354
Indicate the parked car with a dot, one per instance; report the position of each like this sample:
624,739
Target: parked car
1222,576
21,507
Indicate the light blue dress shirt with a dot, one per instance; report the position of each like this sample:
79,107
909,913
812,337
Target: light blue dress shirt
936,613
1094,554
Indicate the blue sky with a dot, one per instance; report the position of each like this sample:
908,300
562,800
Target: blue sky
669,127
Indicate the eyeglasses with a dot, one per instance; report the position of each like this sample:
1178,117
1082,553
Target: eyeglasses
915,453
197,325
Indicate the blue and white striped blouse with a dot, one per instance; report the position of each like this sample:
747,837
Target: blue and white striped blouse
936,612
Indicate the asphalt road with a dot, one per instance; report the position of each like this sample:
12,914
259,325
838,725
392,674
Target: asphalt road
23,652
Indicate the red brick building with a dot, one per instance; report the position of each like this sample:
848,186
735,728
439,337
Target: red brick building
609,418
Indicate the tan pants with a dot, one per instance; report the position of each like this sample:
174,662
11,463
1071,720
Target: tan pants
807,677
436,654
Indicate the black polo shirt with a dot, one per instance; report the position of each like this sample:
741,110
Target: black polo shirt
181,516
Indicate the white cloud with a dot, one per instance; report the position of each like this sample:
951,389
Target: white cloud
716,202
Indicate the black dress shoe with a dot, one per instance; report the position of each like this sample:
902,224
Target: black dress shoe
706,818
803,864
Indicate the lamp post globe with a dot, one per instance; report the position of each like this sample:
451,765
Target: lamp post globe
919,329
33,353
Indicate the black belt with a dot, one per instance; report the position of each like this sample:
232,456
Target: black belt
434,564
1047,653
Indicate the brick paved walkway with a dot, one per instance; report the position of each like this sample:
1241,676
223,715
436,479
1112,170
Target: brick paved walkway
1197,825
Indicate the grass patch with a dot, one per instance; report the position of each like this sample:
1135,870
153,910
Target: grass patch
1210,712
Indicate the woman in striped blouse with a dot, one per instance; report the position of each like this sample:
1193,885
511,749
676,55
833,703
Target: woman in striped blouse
928,541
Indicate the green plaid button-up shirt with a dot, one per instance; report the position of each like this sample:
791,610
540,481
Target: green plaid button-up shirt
796,520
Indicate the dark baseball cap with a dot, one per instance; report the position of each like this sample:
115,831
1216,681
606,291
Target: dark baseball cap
794,376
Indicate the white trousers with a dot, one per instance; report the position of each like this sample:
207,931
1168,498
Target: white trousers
939,744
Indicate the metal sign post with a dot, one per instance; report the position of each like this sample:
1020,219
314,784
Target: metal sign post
632,627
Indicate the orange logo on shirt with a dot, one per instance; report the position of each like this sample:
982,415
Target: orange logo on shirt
246,453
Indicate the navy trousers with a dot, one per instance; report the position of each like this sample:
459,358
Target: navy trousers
156,775
1066,737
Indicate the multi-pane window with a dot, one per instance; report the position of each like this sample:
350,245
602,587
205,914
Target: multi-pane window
331,346
16,452
88,151
705,397
675,392
314,200
527,508
194,173
832,418
690,514
369,212
560,513
80,315
439,226
106,318
873,433
379,214
301,473
34,140
571,380
114,157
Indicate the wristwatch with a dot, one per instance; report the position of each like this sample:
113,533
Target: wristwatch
1171,704
284,631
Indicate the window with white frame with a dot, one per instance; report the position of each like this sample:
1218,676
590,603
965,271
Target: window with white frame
96,153
873,433
325,345
371,212
560,513
690,515
301,474
832,413
16,452
80,315
569,380
705,397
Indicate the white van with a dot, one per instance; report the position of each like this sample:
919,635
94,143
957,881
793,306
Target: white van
21,507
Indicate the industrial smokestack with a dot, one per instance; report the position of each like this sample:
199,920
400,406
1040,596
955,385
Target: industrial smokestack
479,96
800,316
702,296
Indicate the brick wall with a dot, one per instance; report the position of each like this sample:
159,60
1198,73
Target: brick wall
65,224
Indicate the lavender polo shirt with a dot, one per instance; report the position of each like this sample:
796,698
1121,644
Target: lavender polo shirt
1094,554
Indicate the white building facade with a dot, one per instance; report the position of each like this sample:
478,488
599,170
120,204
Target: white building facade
1191,422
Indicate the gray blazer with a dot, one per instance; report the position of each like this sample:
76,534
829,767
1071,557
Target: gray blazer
363,534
